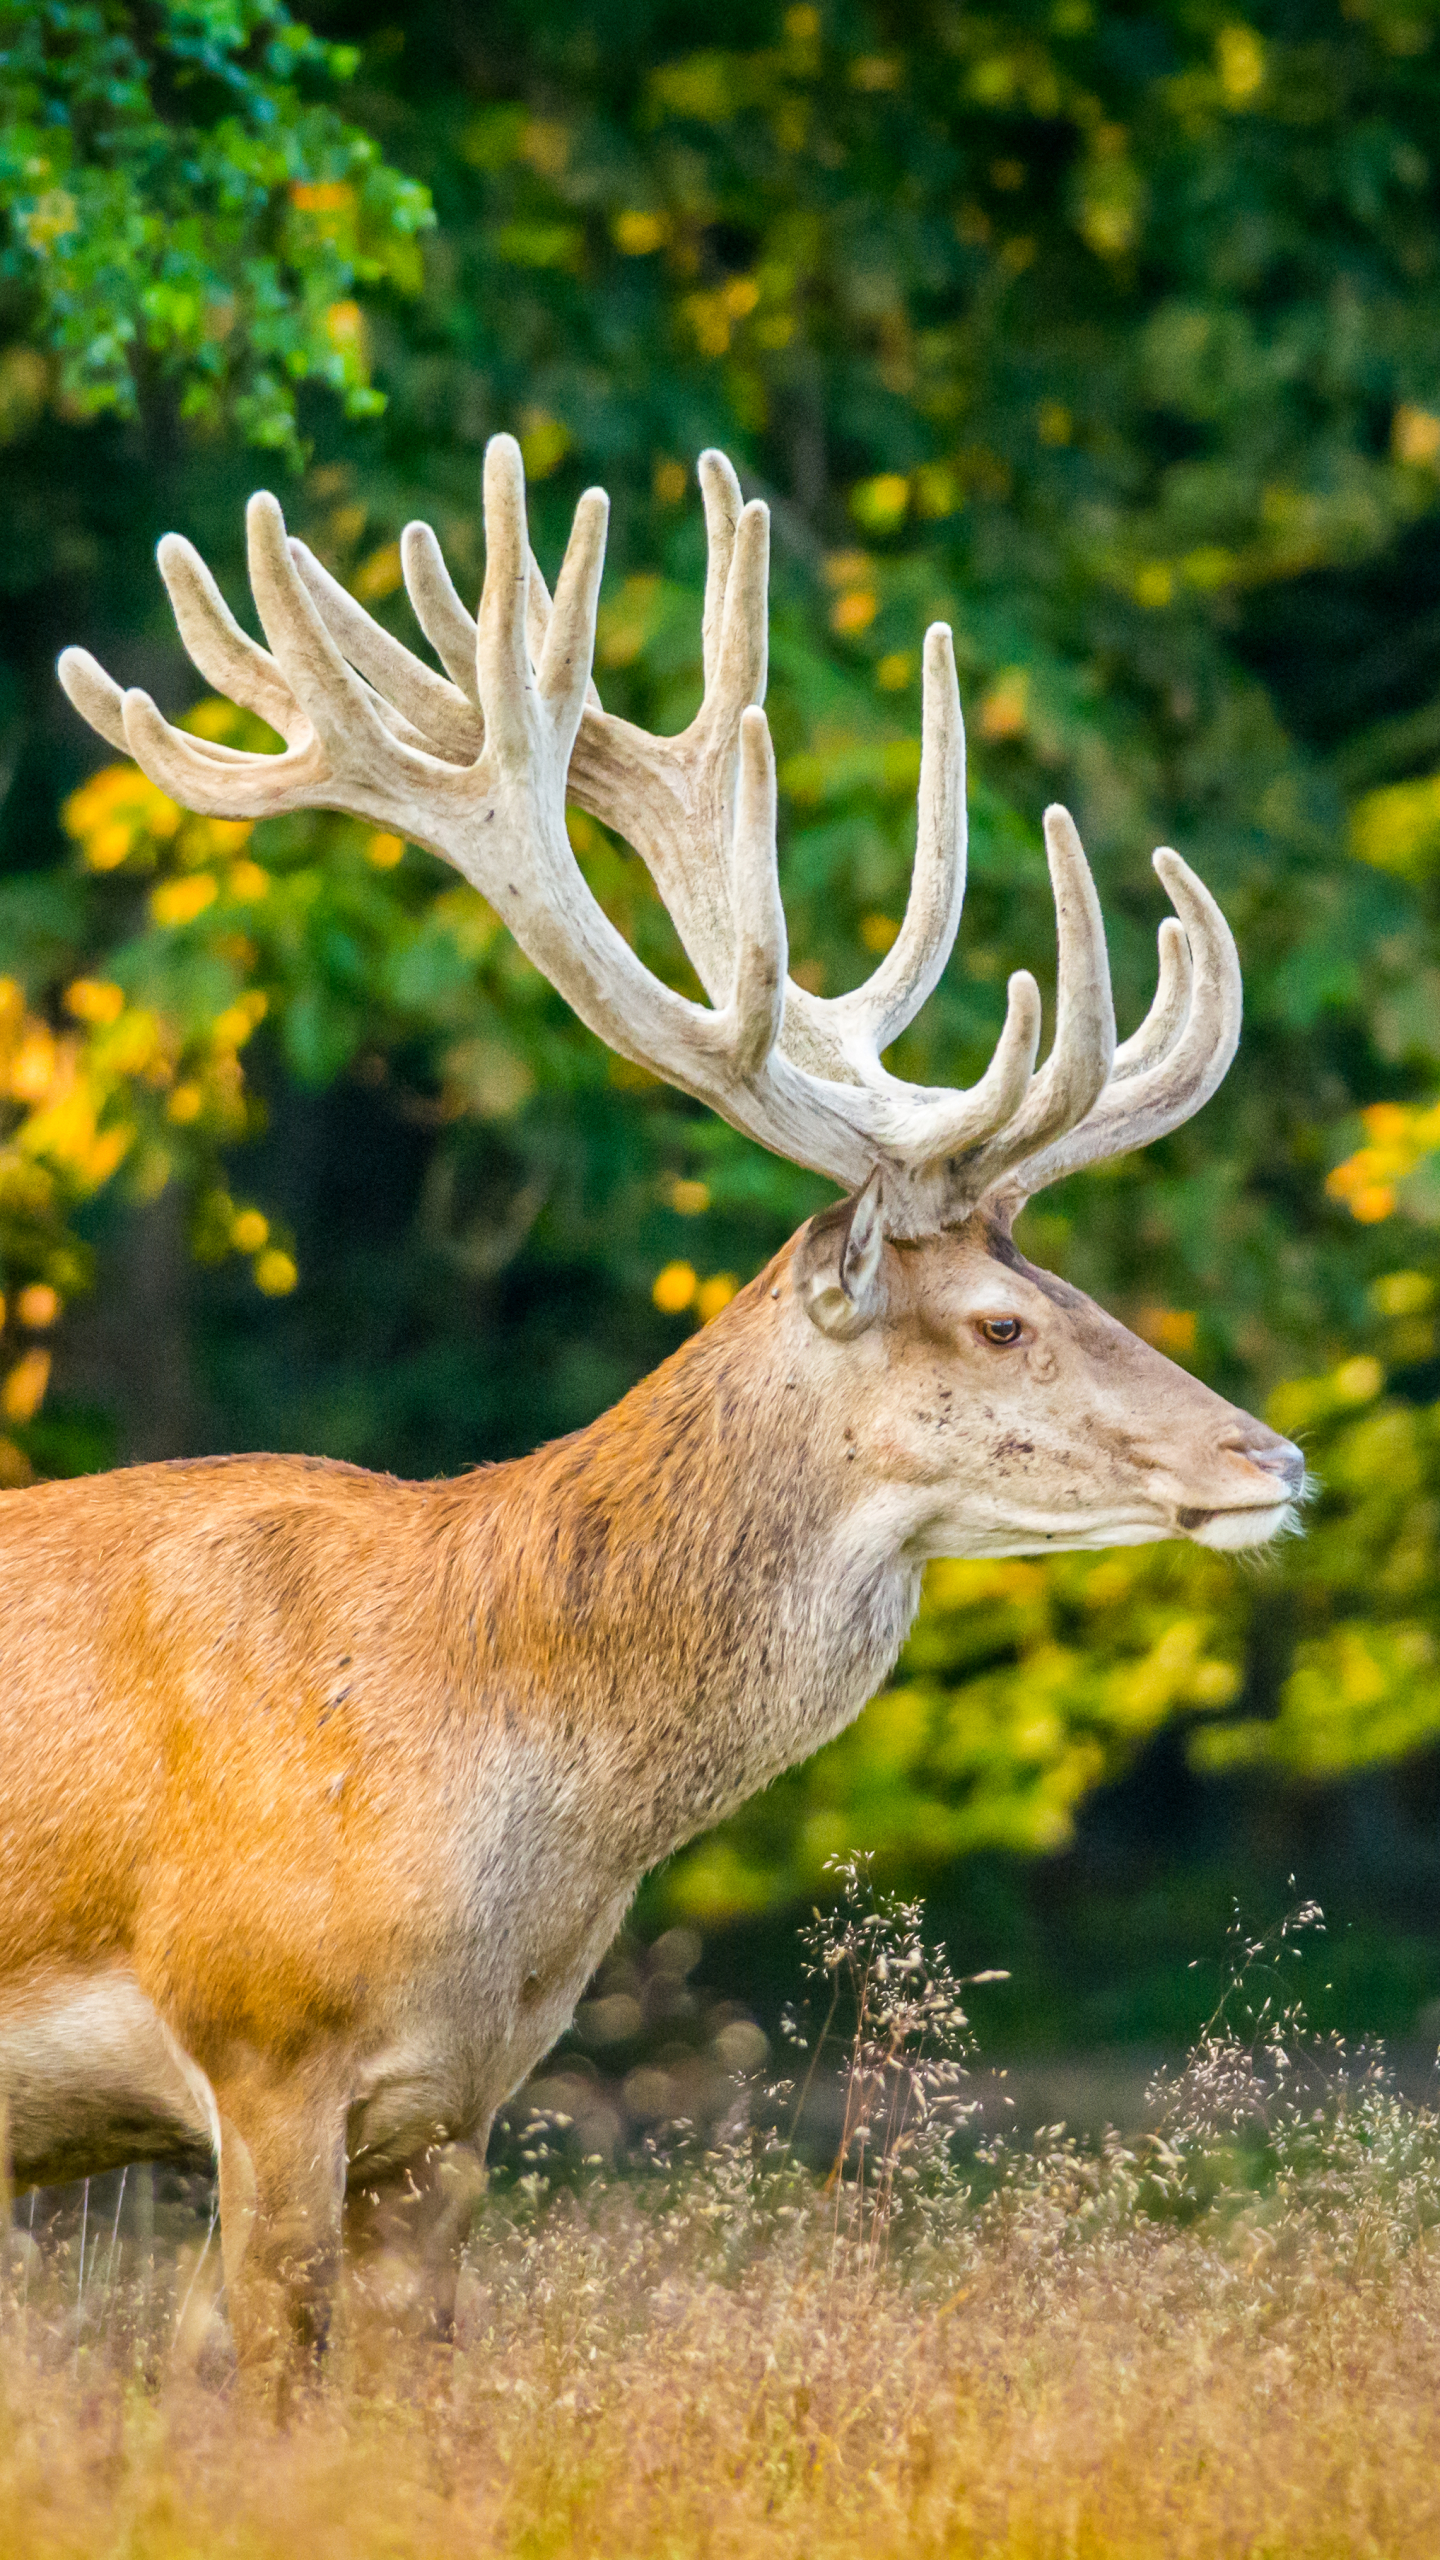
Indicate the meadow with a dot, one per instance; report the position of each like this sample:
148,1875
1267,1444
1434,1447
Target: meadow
1218,2335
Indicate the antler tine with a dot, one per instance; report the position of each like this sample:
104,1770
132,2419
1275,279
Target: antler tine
439,711
240,786
1166,1018
373,754
235,665
1179,1079
691,865
502,657
225,655
347,747
202,772
1075,1072
538,610
761,947
333,701
96,696
673,799
562,670
100,701
720,494
442,617
736,673
1183,1080
938,1135
913,966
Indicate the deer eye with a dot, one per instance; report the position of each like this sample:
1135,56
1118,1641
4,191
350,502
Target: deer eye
1001,1329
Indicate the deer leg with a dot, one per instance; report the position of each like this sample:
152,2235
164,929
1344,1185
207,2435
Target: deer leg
405,2239
282,2185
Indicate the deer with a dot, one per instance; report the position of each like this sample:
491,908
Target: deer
325,1792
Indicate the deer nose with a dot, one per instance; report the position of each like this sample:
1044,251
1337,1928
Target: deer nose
1265,1449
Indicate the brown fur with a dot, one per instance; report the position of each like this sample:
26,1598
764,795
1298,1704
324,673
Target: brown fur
346,1781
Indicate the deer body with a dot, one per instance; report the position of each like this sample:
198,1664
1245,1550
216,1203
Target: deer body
324,1793
309,1764
323,1782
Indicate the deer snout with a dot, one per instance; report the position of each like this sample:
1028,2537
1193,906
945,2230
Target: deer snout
1258,1494
1266,1450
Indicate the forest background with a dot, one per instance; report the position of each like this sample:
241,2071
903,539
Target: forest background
1111,335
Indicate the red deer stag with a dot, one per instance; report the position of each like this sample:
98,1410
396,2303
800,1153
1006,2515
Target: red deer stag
324,1793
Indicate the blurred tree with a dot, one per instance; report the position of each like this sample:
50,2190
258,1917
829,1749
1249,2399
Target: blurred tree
175,204
1107,336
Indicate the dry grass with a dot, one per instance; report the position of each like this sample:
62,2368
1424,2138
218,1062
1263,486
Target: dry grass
1222,2338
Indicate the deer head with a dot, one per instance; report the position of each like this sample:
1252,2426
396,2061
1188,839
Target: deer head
1013,1413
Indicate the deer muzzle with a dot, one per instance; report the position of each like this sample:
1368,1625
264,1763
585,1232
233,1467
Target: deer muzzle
1269,1475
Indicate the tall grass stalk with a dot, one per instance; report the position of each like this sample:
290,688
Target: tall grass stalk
1218,2338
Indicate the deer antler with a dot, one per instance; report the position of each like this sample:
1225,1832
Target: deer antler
475,768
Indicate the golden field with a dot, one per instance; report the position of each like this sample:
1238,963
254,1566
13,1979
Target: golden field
1219,2337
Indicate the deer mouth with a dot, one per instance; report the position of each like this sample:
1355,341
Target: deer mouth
1239,1525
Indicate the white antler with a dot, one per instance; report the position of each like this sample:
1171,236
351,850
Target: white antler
1179,1056
670,798
475,768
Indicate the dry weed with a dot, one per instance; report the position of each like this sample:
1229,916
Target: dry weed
1221,2338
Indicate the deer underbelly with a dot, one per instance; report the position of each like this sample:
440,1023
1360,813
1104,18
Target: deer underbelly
442,2078
435,2086
91,2077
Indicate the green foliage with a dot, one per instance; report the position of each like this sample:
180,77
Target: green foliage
187,207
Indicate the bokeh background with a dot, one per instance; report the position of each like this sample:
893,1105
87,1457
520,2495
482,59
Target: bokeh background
1109,334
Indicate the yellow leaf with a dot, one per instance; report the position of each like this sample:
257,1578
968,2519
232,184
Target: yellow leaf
345,328
178,902
544,442
638,235
1171,1329
690,1199
23,1392
675,1288
715,1294
1358,1381
1398,828
1004,707
323,195
94,1000
275,1273
1415,436
379,575
853,612
881,504
1240,61
34,1064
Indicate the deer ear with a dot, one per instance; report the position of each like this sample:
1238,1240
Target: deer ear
838,1264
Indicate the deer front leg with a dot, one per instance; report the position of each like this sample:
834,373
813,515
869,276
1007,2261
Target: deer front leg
405,2239
282,2188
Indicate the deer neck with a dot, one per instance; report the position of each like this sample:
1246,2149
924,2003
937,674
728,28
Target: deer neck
693,1593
